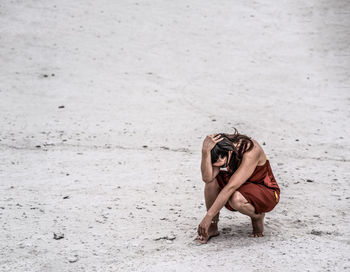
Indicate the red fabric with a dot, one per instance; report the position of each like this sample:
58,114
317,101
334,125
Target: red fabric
261,189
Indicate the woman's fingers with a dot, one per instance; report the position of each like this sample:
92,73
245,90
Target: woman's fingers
199,231
218,140
214,136
218,137
213,139
204,233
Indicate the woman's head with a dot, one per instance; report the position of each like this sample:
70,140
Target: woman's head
237,143
219,154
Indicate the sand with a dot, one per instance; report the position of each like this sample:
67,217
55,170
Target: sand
104,107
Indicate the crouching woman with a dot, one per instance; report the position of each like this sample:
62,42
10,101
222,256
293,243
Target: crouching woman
237,175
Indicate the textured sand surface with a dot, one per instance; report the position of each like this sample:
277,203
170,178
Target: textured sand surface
104,107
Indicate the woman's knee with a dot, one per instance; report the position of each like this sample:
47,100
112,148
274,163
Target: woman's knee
236,200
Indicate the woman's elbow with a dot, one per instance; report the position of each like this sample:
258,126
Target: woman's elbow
231,188
206,180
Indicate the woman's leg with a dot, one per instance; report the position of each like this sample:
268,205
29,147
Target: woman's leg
211,191
240,203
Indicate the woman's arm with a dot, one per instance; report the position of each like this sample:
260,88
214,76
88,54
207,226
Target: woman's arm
209,172
245,170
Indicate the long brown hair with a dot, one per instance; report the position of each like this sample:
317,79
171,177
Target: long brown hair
222,148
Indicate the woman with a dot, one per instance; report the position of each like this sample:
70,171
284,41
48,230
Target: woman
245,184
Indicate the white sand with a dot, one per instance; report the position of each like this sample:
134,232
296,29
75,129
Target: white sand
164,74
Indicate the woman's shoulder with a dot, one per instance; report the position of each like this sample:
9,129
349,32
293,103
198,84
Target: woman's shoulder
257,152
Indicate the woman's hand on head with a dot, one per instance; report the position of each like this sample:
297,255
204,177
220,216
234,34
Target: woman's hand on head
210,141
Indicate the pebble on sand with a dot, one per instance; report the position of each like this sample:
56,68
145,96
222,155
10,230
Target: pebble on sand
171,238
58,236
73,259
316,232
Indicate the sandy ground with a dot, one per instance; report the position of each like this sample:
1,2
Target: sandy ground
104,107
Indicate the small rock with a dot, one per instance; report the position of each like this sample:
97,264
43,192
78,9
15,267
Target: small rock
73,259
309,180
61,107
214,120
66,197
38,146
171,238
297,140
144,146
58,236
316,232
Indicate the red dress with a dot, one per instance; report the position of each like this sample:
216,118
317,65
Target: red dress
261,189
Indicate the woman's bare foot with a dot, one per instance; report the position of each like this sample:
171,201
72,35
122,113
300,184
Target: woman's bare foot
213,231
258,226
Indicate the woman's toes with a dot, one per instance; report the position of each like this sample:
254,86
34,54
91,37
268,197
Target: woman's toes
201,239
256,234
